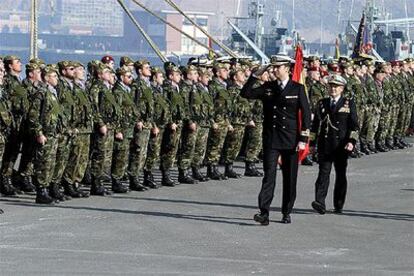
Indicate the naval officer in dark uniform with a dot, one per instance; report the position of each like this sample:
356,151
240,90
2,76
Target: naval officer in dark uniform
282,99
335,131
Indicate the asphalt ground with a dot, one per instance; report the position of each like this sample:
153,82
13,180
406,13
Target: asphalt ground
207,229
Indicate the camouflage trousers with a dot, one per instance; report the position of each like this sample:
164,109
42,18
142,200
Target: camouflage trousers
11,152
2,147
120,157
62,157
233,144
138,151
78,159
101,158
153,150
215,143
393,122
383,126
186,148
373,127
364,119
200,146
27,156
169,147
45,162
253,142
403,120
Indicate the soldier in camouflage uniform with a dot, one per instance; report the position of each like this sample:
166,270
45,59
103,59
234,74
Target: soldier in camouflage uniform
379,77
107,127
387,110
6,125
221,125
317,90
240,118
67,101
19,106
44,119
254,133
144,101
80,146
162,119
172,134
397,98
202,110
373,105
32,83
122,93
188,89
409,72
407,104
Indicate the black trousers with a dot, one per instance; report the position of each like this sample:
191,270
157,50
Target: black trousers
340,161
289,173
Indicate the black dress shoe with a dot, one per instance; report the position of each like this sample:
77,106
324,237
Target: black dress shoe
286,219
337,211
307,161
263,219
318,207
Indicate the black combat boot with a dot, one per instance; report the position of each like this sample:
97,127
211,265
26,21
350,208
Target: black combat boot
213,173
149,180
372,148
389,144
364,149
381,148
6,187
405,144
229,171
198,175
26,184
135,185
258,173
97,187
397,143
184,177
166,179
43,197
78,188
69,190
117,187
55,192
250,170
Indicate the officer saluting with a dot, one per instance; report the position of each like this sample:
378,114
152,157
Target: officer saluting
335,125
282,99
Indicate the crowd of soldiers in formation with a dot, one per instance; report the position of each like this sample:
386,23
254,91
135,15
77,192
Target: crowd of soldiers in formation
65,130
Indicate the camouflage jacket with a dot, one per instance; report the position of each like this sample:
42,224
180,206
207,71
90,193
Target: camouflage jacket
177,103
67,101
187,88
222,100
162,114
240,111
83,121
372,97
317,91
45,114
398,90
202,106
130,112
16,94
144,101
6,117
108,111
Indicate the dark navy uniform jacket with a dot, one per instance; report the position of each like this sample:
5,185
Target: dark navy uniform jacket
280,111
333,129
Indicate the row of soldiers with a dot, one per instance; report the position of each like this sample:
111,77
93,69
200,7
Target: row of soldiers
62,126
384,97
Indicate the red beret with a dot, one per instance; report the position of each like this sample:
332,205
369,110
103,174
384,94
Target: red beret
395,63
107,59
